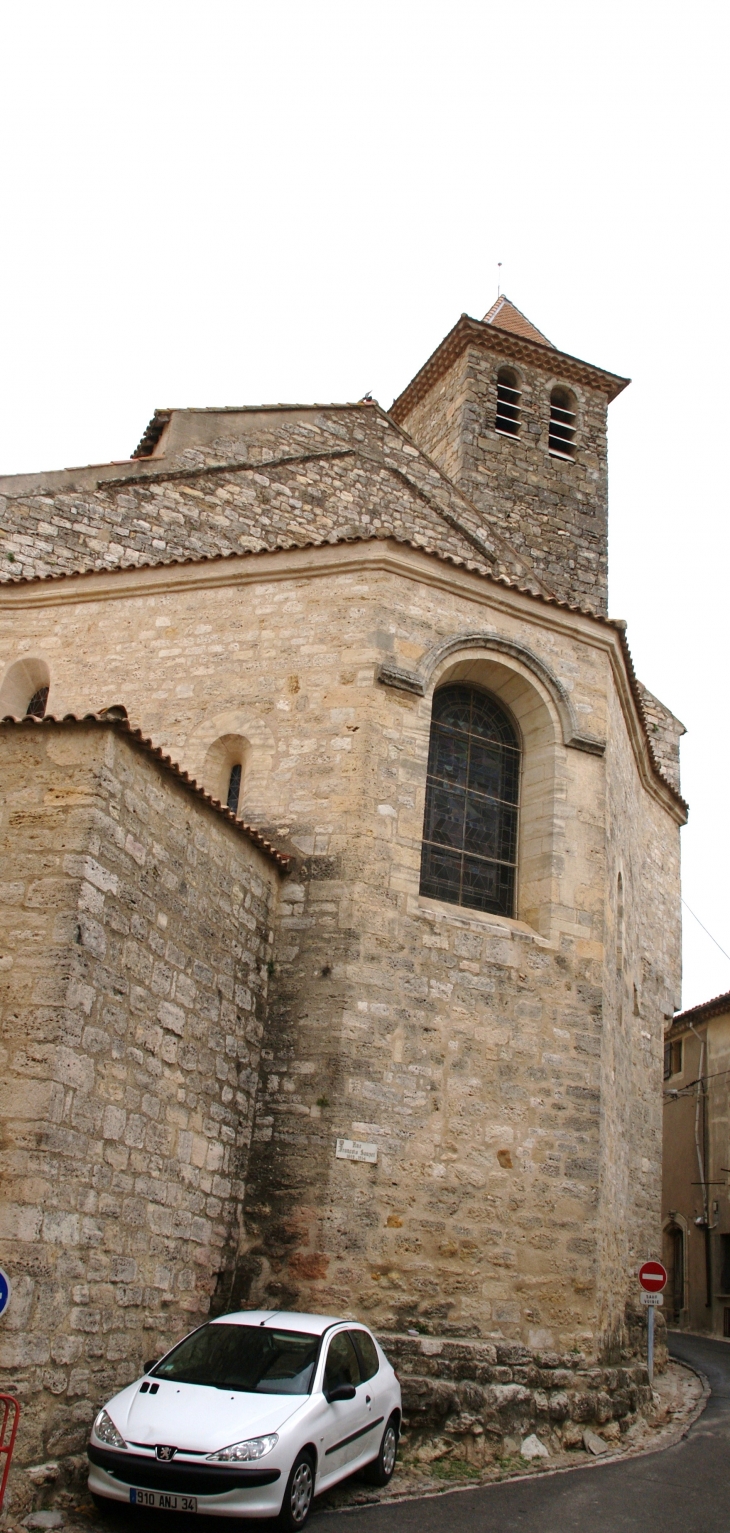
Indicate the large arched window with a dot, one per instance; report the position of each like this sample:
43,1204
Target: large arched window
470,827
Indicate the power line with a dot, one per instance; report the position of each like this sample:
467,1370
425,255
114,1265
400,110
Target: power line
704,928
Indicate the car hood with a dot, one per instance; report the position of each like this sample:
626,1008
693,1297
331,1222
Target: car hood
198,1418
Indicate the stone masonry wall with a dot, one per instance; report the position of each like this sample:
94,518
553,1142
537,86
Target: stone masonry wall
135,940
641,990
481,1395
467,1047
552,511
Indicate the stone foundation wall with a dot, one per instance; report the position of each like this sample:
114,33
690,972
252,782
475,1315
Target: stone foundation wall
135,938
487,1396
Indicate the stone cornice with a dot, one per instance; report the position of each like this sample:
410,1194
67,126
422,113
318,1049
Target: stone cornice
420,680
390,556
473,332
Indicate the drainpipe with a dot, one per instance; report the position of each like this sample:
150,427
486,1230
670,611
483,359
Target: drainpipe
700,1098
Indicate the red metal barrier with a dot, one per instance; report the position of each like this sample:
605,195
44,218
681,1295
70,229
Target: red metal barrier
9,1417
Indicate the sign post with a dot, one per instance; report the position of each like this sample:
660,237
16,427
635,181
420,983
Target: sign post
653,1278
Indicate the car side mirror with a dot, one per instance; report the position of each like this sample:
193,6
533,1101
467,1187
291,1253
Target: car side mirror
150,1364
341,1392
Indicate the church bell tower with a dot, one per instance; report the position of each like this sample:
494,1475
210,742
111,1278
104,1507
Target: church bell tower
521,428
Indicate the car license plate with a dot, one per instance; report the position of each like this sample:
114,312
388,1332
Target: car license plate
163,1499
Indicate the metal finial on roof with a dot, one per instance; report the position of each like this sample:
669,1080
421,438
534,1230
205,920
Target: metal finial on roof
499,279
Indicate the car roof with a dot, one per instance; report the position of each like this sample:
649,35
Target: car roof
289,1320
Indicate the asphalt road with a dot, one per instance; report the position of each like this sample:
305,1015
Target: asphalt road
685,1489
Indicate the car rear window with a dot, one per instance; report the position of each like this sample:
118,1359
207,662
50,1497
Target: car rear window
249,1358
366,1350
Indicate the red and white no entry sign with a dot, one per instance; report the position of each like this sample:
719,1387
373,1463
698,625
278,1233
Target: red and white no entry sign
653,1277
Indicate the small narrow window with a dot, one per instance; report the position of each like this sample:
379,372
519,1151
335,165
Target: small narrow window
234,788
37,705
562,424
507,419
673,1061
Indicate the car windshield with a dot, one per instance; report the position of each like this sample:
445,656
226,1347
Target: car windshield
249,1358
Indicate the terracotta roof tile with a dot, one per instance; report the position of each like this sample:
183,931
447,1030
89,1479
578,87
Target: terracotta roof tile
717,1007
506,316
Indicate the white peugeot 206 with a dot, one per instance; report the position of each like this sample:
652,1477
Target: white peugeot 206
252,1415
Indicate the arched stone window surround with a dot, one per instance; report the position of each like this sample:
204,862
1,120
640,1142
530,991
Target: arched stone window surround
540,730
225,754
22,679
572,734
234,736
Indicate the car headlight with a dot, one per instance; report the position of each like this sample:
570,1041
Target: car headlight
106,1431
239,1453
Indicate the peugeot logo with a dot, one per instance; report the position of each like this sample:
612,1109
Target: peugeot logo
165,1453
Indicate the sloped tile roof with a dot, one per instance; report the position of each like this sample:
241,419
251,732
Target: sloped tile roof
115,719
506,316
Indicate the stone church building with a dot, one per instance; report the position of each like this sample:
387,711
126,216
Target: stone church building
339,893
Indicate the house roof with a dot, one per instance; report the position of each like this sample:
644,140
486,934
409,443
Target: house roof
506,316
115,718
719,1006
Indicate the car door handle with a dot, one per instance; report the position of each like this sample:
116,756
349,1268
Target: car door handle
367,1399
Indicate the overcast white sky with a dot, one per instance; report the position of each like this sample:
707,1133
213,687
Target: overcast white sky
229,203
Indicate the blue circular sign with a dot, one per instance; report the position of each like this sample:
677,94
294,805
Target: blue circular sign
4,1291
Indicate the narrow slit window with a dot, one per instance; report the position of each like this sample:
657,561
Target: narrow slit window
562,424
469,853
673,1060
37,705
234,788
507,419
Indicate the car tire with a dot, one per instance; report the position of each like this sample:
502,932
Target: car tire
299,1494
380,1471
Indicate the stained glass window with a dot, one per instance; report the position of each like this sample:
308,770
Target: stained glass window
234,788
37,705
470,828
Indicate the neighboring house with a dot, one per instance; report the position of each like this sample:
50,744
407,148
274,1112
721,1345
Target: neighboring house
396,1048
695,1203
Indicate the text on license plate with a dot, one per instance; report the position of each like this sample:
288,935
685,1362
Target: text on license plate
163,1499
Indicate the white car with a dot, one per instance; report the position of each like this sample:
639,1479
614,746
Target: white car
252,1415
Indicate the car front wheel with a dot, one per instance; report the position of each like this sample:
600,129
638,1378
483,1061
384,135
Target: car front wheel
299,1494
381,1469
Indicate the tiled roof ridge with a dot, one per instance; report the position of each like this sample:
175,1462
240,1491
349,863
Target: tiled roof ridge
468,330
384,537
703,1012
111,720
